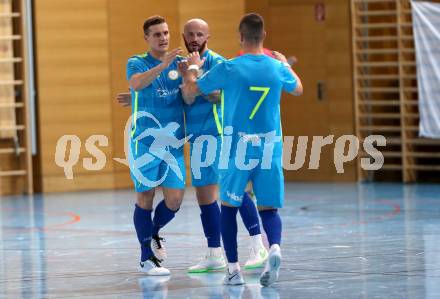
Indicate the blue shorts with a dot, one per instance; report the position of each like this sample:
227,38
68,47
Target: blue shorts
206,175
156,172
268,184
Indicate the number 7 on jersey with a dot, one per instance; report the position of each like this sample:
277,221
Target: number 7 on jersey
265,91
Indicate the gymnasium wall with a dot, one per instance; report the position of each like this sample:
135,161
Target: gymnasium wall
74,79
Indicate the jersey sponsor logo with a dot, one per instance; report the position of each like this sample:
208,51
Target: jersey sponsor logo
233,196
173,75
163,93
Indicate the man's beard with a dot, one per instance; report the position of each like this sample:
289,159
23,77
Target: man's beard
200,49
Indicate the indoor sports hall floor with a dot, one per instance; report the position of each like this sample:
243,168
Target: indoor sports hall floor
340,241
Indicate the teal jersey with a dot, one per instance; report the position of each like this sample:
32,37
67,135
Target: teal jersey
252,86
162,98
203,117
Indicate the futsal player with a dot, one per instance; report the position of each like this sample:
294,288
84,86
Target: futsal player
252,86
154,85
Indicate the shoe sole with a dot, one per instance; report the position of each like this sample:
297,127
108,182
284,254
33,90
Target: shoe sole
206,270
153,274
234,284
255,266
269,277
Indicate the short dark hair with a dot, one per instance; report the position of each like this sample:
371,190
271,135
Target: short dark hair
252,28
151,21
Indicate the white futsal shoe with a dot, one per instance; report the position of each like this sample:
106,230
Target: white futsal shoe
152,267
257,258
272,268
213,261
234,278
158,248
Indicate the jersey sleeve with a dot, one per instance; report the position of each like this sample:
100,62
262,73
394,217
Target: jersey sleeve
215,79
133,67
288,80
218,59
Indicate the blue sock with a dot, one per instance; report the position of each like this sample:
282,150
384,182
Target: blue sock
142,224
229,232
211,223
272,226
249,214
162,216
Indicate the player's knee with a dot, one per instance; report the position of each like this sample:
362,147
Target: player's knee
173,198
173,203
145,199
206,195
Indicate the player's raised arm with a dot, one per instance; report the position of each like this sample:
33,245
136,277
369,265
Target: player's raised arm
187,93
182,66
191,66
141,80
299,88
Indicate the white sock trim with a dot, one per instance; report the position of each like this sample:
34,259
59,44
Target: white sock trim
275,247
215,251
257,241
233,266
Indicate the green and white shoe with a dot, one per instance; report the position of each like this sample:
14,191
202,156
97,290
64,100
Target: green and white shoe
257,258
208,264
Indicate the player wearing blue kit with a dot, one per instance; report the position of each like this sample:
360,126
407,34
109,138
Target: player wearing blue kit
251,145
156,141
203,118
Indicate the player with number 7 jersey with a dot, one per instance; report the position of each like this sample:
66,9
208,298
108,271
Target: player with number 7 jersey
251,141
252,86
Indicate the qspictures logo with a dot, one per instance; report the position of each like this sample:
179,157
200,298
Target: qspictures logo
158,144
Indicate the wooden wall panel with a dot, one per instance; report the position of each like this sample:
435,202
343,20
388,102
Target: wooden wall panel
73,74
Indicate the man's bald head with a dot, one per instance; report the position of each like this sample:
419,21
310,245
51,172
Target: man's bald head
196,24
196,35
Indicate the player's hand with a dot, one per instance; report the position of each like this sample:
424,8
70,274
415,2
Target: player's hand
124,99
279,56
170,56
194,58
182,67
